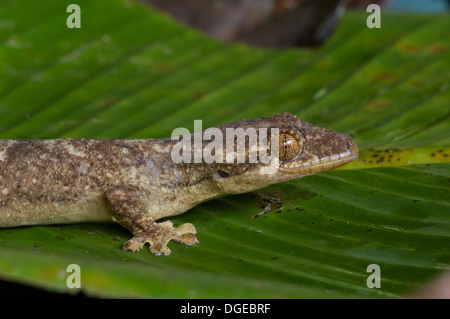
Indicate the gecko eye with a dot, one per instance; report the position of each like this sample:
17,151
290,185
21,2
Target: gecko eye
289,147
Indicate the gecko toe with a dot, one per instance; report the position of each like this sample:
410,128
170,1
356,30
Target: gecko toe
186,239
159,249
185,234
134,244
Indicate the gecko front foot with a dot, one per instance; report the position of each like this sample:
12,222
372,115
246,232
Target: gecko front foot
159,234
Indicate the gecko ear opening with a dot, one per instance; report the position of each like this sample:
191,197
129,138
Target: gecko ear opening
222,174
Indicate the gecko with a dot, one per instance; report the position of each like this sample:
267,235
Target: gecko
135,182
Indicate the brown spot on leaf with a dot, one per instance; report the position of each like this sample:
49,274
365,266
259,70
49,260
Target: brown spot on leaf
378,105
385,77
164,67
408,48
437,48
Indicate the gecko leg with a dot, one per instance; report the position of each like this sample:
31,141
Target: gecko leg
130,208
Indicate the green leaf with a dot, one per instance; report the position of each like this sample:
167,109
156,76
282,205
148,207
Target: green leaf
132,72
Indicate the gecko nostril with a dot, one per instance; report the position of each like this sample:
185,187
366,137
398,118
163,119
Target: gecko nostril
348,143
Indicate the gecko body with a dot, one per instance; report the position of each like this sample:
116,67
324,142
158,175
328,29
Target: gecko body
135,182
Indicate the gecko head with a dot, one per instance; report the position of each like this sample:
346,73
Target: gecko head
295,148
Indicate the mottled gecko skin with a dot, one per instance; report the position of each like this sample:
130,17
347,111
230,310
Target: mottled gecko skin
135,182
